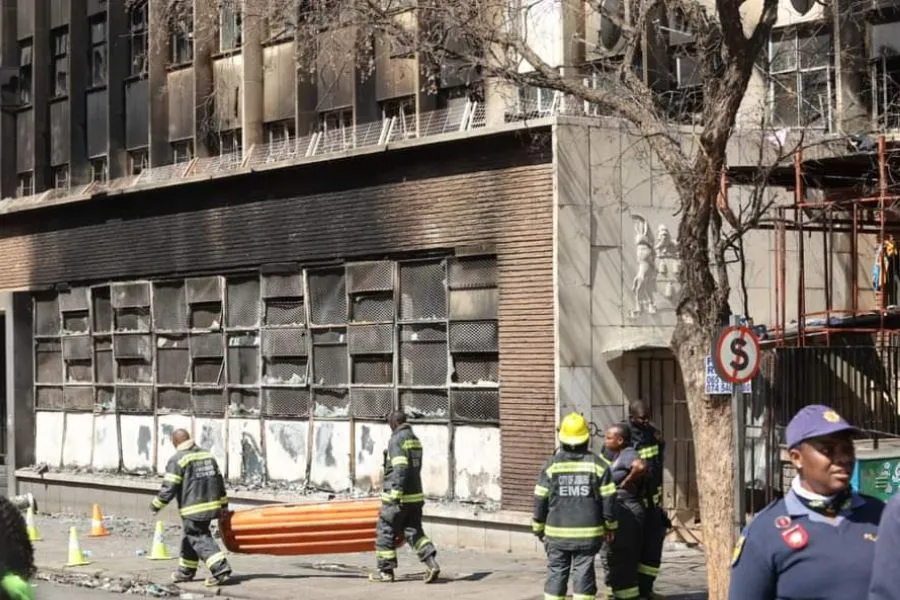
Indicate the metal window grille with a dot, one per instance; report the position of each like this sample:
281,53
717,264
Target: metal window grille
76,322
423,332
243,359
77,348
103,361
173,400
282,286
48,362
328,297
371,403
104,399
474,336
79,398
130,295
133,346
79,371
243,302
134,399
103,310
473,304
284,342
284,370
425,404
477,406
243,402
206,316
331,403
207,345
133,371
208,402
375,370
423,363
203,290
169,306
74,300
371,339
284,311
47,320
49,398
476,272
208,370
475,368
172,360
330,364
372,308
370,277
132,319
286,403
423,292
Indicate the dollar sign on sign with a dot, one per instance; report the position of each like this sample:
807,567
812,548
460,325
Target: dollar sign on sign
741,359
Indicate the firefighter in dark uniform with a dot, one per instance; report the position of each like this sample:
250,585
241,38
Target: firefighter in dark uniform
401,504
193,478
818,540
650,446
574,510
621,558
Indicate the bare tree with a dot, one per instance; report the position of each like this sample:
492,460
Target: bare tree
688,132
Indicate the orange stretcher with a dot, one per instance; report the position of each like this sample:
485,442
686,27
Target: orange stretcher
336,527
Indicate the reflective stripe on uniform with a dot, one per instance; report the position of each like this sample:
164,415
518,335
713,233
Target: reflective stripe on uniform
541,491
188,564
612,525
386,554
196,509
583,596
632,592
423,541
158,504
411,445
575,467
212,560
399,461
193,457
173,478
398,496
552,597
573,532
649,452
608,490
647,570
537,527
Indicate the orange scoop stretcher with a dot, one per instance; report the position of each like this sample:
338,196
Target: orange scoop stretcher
336,527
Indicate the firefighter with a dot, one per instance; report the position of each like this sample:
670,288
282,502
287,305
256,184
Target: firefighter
650,446
16,554
573,512
401,504
193,478
819,539
627,472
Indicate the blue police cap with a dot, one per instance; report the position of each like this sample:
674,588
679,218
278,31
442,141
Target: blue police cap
814,421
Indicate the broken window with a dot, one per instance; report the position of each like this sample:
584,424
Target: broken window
97,58
181,42
137,37
61,177
884,73
230,143
138,160
25,186
336,119
800,78
397,107
100,169
26,57
182,151
229,25
60,61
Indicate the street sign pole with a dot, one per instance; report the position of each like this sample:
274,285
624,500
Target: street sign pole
737,417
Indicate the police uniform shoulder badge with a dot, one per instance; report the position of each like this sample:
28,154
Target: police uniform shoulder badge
737,550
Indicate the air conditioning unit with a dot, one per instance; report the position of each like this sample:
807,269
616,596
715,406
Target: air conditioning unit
688,72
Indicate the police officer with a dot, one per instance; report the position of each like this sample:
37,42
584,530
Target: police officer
193,478
627,471
574,508
818,541
885,572
401,504
650,446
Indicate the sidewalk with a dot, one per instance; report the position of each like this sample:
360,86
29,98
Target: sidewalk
120,565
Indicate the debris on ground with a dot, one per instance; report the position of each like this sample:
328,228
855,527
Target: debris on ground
114,585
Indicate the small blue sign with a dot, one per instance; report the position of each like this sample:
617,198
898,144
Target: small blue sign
715,385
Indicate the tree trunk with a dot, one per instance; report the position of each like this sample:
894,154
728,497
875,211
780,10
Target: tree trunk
712,431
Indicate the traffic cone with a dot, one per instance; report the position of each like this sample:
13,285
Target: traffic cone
33,535
76,556
98,529
159,550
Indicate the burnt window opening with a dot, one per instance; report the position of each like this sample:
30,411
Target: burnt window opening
280,132
181,42
229,25
97,58
60,61
397,107
884,74
280,24
336,119
100,169
230,143
182,151
61,177
137,38
26,58
138,160
800,78
25,185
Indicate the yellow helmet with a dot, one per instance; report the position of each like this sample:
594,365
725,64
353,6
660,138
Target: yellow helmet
573,430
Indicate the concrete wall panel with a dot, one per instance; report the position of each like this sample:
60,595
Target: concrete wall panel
166,426
477,454
245,455
371,440
436,451
138,442
210,434
49,443
331,455
287,449
106,443
79,440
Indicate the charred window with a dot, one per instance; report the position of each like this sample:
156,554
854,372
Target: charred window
97,58
800,78
60,61
336,119
137,38
229,25
26,58
138,160
182,151
25,185
100,169
61,177
181,43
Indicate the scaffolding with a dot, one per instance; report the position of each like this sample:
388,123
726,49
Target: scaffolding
859,198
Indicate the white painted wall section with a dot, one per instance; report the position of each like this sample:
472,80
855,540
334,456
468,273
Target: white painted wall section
79,440
477,453
106,443
167,424
435,454
331,455
371,441
287,450
210,434
245,455
138,442
50,428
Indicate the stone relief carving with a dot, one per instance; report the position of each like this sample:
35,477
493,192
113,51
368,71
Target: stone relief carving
658,266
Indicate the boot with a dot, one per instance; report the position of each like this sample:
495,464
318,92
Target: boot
216,580
432,569
180,576
382,577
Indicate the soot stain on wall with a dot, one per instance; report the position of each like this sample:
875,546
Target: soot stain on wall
291,441
324,447
366,443
145,436
252,463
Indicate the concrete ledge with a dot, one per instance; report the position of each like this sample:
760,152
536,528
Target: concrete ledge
451,526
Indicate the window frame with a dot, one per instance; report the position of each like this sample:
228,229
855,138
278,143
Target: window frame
230,14
336,119
98,49
25,182
24,89
103,163
138,46
61,177
138,160
59,55
181,42
797,35
182,148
